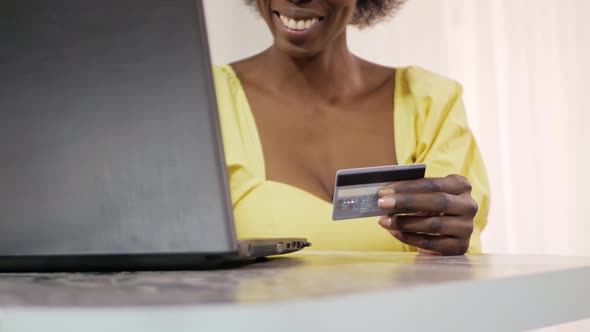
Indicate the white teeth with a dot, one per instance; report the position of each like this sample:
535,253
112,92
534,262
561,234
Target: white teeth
292,24
298,25
285,20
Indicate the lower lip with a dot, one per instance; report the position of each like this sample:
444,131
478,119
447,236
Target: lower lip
291,32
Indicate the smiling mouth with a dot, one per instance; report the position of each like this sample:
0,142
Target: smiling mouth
298,24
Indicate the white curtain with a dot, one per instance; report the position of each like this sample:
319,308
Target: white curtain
525,67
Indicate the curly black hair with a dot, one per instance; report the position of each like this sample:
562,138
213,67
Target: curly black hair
368,12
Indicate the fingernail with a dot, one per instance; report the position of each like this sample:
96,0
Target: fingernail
386,202
386,192
385,222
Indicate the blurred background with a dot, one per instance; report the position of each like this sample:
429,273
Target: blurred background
525,70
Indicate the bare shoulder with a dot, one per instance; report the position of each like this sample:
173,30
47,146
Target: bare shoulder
377,75
375,68
250,69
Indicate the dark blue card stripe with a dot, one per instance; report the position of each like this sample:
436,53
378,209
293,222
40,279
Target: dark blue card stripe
380,176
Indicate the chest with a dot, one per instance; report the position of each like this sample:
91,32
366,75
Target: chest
305,141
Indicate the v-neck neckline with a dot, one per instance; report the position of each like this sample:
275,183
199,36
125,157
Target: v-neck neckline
258,142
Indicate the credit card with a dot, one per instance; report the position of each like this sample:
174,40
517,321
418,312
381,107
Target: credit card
356,190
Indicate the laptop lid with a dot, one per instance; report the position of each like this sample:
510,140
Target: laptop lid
109,133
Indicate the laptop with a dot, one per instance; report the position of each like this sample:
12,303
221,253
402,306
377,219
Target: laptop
111,155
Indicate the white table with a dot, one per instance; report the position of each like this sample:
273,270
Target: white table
310,291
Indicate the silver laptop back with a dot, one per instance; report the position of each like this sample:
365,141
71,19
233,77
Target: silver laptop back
109,134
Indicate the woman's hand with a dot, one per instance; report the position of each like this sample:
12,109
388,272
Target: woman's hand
440,213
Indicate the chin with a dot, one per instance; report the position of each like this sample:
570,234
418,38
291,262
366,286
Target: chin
296,51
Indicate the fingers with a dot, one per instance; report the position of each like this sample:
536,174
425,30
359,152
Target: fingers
442,212
452,184
440,244
433,202
434,225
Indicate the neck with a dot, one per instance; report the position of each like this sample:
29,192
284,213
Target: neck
333,73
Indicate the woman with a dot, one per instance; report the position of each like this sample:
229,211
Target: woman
306,107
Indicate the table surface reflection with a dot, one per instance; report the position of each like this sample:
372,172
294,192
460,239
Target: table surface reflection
306,275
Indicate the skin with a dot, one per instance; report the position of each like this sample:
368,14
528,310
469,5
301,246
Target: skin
319,108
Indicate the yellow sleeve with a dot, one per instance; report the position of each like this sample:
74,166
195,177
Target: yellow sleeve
444,141
245,164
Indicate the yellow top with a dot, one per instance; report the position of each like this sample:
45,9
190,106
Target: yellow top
430,127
